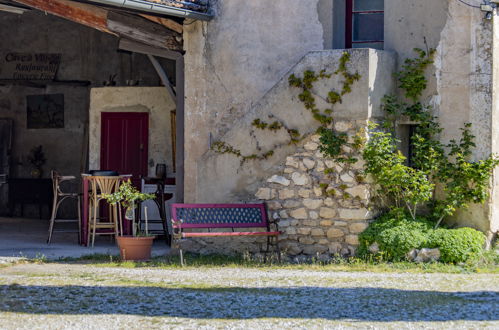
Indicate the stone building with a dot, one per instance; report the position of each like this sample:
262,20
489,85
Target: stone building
229,61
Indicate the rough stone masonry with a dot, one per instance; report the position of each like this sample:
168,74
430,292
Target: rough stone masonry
320,214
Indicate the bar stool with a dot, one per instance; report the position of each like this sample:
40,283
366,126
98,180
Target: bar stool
100,185
59,197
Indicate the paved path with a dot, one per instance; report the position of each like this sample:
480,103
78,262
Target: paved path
55,296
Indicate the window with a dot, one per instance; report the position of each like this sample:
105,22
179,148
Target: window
364,24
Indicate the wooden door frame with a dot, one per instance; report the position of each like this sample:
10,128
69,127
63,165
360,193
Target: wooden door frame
136,47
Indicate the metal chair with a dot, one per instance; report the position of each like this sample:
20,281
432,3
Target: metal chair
100,185
59,197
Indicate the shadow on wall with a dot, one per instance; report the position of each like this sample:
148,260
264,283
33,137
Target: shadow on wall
363,304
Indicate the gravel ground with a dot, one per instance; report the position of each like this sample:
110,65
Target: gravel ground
56,296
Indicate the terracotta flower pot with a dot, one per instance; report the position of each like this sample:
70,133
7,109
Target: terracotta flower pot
135,248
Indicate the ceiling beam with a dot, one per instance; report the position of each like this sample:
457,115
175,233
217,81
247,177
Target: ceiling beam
166,22
89,15
144,31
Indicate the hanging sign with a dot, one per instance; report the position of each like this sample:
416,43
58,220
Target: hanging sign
29,66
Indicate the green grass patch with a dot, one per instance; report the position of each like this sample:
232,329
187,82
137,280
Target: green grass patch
488,264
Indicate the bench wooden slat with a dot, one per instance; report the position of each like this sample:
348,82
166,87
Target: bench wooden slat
258,233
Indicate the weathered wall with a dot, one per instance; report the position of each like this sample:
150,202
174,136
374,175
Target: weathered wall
460,81
87,55
153,100
221,177
233,60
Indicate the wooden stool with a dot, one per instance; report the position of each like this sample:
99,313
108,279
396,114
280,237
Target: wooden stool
59,197
99,186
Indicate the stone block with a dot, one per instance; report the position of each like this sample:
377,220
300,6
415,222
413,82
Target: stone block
289,170
354,214
279,180
286,193
283,214
323,241
317,232
309,163
306,240
329,201
274,205
300,213
313,215
360,191
292,161
315,138
300,179
326,223
326,212
311,146
320,166
284,223
341,223
314,249
347,178
329,163
318,191
291,231
356,228
289,204
305,193
335,248
312,203
264,193
352,239
335,233
310,223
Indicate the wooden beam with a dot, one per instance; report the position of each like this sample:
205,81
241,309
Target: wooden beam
163,76
168,23
89,15
136,47
144,31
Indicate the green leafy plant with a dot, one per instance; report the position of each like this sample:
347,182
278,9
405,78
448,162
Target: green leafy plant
129,197
434,164
396,234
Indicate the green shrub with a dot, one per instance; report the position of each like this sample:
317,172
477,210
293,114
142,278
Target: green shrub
457,245
396,234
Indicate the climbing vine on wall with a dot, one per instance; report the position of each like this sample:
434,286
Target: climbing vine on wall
434,164
331,141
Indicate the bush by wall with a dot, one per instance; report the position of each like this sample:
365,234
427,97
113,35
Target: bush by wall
396,233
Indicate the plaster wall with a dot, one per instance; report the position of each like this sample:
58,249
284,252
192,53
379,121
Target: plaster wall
460,81
88,56
153,100
223,178
233,60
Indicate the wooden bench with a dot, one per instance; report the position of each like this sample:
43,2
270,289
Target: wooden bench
215,216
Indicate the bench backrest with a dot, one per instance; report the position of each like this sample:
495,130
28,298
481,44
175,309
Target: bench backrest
219,215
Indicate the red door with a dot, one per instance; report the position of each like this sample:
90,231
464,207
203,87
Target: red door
124,143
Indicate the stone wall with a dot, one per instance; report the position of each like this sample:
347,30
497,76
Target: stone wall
319,214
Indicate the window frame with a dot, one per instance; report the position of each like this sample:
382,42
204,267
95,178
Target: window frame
349,24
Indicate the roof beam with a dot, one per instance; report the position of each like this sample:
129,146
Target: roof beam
166,22
144,31
92,16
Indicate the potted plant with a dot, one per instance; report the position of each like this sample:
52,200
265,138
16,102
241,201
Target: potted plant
138,245
37,159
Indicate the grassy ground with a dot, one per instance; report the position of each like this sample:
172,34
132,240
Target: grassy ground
488,264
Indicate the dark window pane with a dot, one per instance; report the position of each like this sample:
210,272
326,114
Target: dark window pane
367,27
375,45
361,5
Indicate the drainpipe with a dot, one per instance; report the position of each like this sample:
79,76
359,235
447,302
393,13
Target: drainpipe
156,8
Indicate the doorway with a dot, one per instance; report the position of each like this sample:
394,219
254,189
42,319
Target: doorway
124,143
